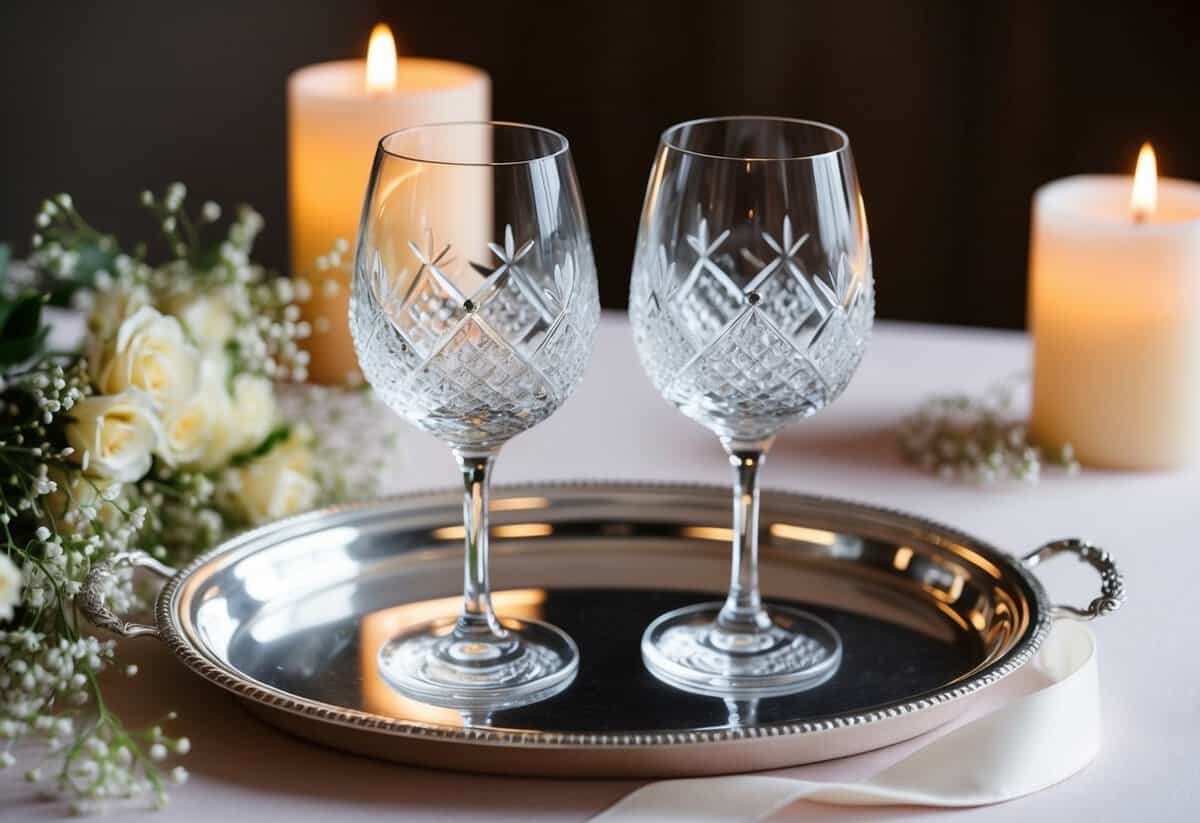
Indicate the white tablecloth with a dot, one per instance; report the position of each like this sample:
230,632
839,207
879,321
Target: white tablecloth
617,427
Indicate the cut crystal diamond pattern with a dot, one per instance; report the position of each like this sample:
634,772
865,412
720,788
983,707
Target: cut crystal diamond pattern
862,317
834,351
559,292
704,265
785,254
708,306
749,379
567,342
654,326
671,346
838,346
374,330
789,302
480,369
561,349
430,259
507,310
507,300
432,306
751,353
483,389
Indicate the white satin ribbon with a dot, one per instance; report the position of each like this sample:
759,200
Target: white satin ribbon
1024,746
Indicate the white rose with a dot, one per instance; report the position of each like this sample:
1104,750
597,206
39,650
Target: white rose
10,587
272,495
200,431
271,487
296,452
114,436
186,431
207,318
110,307
277,484
253,410
150,353
214,382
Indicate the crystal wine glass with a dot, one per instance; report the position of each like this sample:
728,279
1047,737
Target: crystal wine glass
473,309
751,302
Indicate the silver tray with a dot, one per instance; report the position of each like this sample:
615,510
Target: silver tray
289,618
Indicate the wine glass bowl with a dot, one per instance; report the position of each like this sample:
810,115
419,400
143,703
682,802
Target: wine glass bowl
473,309
751,301
752,297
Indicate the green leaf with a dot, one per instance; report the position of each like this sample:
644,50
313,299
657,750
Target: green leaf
206,256
5,256
278,435
94,257
21,317
21,330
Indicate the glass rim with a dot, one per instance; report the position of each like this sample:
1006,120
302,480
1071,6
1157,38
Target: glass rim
666,139
563,147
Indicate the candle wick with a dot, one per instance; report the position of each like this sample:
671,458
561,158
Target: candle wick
1140,216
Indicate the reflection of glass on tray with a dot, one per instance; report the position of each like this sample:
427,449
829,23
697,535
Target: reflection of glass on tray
378,627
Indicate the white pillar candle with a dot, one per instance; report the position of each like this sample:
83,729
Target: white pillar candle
1115,315
335,120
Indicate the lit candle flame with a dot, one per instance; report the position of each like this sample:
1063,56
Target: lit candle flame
381,59
1145,185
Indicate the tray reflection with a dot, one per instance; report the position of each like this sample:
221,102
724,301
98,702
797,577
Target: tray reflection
334,662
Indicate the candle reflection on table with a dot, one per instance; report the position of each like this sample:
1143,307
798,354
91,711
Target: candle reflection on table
378,627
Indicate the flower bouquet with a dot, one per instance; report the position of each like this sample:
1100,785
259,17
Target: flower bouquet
163,433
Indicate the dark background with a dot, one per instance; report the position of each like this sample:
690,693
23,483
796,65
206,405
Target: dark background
956,110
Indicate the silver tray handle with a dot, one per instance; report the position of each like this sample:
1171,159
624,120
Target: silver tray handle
91,596
1112,584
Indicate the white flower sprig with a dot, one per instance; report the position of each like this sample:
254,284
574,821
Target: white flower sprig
55,522
978,439
164,436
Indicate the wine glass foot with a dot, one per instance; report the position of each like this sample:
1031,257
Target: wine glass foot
797,651
532,662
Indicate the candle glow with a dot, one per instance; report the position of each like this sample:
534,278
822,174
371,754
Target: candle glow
381,60
1144,199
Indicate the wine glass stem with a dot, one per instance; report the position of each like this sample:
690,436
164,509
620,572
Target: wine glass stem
477,619
743,612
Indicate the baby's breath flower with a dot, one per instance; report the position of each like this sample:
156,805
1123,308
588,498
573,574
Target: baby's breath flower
980,440
173,199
